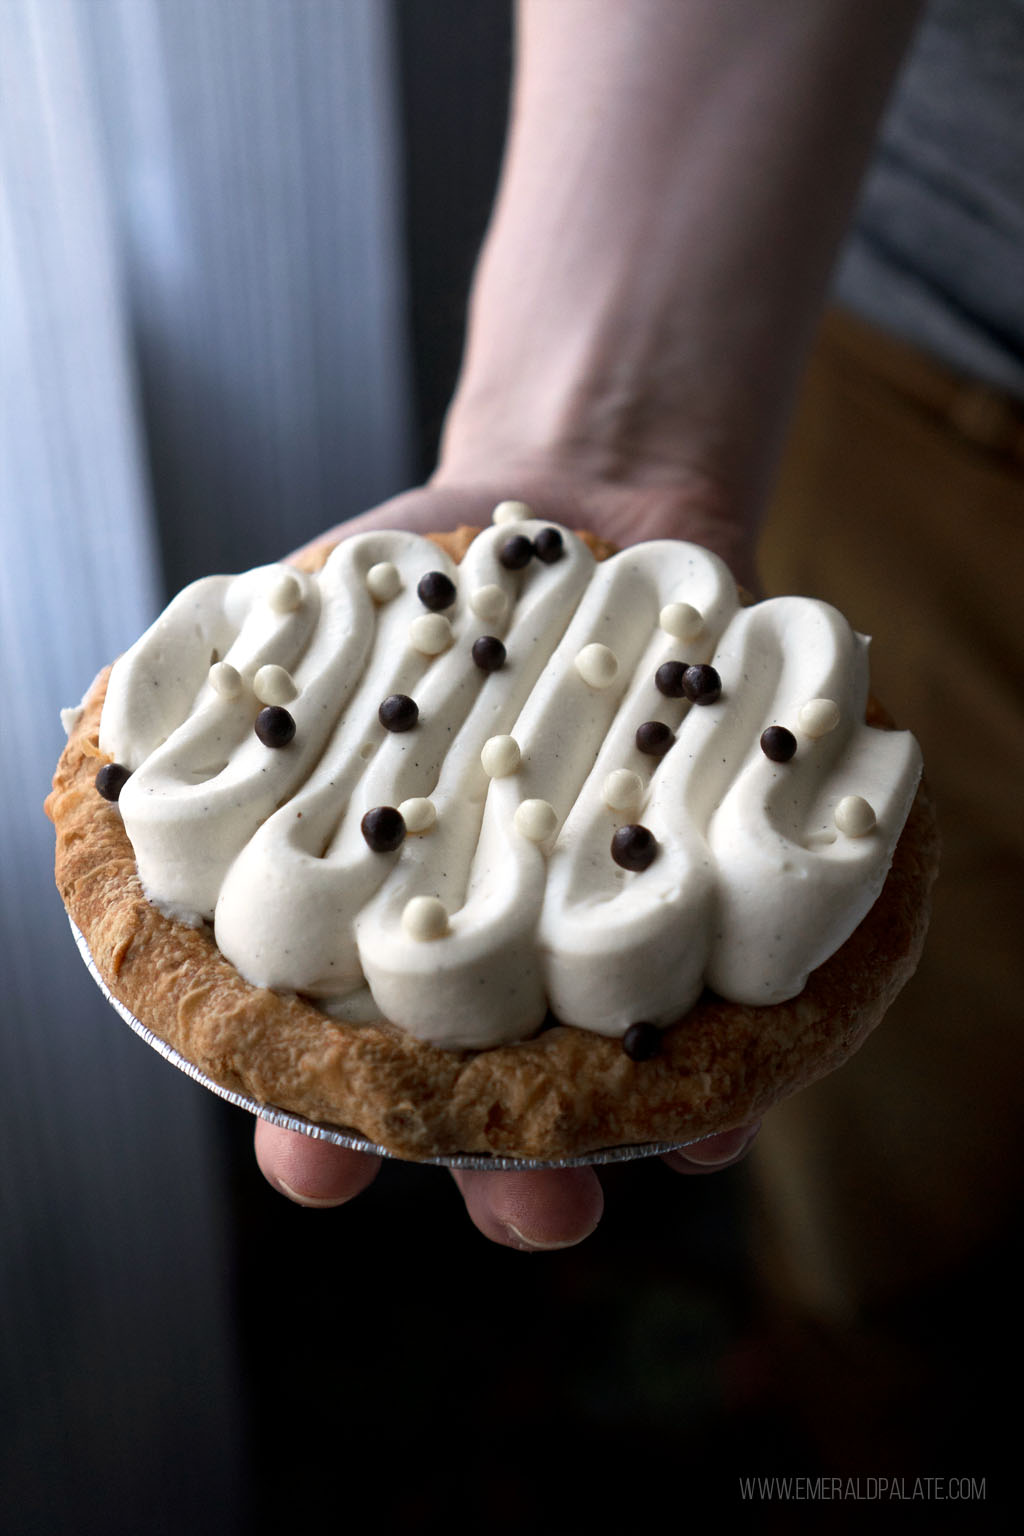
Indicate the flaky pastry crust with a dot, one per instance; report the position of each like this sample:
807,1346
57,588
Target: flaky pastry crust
564,1093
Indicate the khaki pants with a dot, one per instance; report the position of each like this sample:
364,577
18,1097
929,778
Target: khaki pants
901,500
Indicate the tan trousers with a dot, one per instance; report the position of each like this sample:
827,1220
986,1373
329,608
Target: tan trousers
901,500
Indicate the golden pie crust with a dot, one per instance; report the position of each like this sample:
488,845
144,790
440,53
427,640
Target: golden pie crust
564,1093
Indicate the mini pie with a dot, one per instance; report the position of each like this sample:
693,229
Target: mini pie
440,796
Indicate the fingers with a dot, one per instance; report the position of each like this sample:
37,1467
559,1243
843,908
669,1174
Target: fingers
559,1207
309,1171
714,1152
536,1211
549,1208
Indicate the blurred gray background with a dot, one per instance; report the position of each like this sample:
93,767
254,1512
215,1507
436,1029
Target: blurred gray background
208,330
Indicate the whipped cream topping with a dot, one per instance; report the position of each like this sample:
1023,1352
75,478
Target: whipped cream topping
504,898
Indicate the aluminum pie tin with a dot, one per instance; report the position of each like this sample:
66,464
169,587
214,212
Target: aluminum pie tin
339,1135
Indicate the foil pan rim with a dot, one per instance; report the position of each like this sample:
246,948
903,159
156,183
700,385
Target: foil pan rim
341,1136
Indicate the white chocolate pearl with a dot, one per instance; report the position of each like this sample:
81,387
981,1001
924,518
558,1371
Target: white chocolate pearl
284,592
419,815
489,603
500,756
681,620
854,816
818,716
225,680
623,789
383,581
597,665
511,512
425,917
274,685
430,634
536,820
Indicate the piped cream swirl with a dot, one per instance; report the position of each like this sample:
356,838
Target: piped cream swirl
753,884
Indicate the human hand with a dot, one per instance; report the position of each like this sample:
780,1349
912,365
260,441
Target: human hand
638,320
531,1211
624,512
557,1207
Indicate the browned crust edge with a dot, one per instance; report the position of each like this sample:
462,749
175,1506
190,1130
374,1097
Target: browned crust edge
563,1094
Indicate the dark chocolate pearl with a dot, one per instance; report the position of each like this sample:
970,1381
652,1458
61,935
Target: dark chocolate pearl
548,546
654,738
398,712
383,828
702,684
111,779
778,743
634,847
489,653
642,1041
274,726
669,679
516,552
436,591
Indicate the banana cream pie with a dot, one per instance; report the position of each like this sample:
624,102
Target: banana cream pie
486,843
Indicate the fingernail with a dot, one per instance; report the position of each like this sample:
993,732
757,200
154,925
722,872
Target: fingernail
313,1202
726,1157
532,1245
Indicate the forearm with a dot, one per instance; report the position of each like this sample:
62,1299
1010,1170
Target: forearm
678,176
